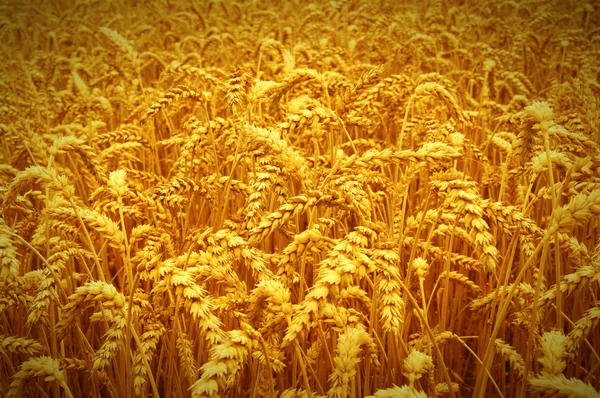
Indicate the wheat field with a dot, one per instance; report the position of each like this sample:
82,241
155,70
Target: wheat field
353,198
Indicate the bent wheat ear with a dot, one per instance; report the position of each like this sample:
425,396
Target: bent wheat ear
562,387
123,46
86,152
441,92
13,344
49,176
174,94
583,326
515,359
47,367
95,292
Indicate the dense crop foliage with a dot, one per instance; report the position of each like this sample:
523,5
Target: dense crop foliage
298,199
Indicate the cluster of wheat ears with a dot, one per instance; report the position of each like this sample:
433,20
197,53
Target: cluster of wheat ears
353,198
